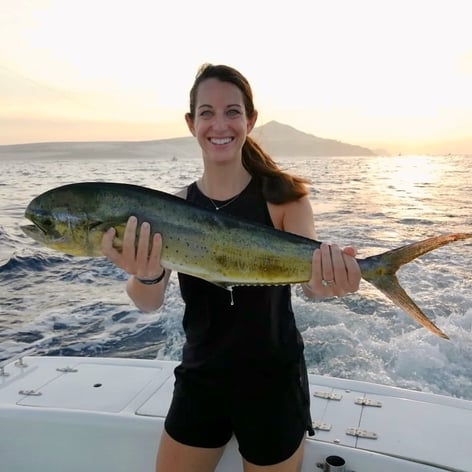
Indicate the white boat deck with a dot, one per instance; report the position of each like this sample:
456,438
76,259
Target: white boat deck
95,414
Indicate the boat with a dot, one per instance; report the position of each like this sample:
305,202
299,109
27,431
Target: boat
97,414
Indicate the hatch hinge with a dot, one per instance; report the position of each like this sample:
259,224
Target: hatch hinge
320,426
328,395
367,402
66,370
361,433
30,393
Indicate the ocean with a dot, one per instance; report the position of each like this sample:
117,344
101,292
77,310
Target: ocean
78,306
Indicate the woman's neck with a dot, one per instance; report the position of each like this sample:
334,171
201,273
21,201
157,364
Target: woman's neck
224,181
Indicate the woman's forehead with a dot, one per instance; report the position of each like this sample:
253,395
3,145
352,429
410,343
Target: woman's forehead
213,90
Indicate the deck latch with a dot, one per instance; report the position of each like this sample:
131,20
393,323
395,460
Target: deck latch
328,395
361,433
30,393
66,370
320,426
367,402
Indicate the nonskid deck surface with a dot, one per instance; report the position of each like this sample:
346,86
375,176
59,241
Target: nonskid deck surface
75,414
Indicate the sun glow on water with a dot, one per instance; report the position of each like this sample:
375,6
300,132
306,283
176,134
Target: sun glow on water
373,203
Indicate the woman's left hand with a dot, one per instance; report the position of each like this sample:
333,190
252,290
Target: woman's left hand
335,272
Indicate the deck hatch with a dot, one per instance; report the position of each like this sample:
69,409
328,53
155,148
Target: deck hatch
77,391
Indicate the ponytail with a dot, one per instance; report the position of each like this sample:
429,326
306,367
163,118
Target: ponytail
277,186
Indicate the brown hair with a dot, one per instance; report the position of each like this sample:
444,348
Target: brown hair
277,186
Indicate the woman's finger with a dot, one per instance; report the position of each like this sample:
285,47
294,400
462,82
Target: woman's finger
327,272
353,272
142,251
107,244
154,265
129,240
350,251
339,267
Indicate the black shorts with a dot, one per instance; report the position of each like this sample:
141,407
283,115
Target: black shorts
267,410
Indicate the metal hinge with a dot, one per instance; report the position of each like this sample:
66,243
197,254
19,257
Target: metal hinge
328,395
361,433
367,402
66,370
30,393
321,426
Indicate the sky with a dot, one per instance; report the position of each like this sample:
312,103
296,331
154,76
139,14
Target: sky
392,75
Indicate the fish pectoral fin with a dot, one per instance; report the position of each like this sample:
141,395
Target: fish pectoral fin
104,226
96,229
95,225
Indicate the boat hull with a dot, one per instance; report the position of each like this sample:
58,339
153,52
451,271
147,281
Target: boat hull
73,414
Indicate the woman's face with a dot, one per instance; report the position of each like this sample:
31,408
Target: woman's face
220,123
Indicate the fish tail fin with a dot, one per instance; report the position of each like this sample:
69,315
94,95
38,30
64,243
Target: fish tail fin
380,271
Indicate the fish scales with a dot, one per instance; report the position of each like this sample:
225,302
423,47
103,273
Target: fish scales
214,246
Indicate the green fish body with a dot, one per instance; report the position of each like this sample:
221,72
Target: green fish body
214,246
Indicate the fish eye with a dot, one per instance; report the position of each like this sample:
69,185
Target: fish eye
44,224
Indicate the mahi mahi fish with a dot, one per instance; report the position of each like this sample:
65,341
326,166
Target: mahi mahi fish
213,246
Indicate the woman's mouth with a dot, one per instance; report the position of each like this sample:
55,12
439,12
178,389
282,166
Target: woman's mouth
220,141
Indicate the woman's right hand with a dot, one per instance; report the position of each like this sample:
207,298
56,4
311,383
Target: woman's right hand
142,260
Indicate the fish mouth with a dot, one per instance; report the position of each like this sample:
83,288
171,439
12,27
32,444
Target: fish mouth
42,236
40,232
33,231
36,228
43,225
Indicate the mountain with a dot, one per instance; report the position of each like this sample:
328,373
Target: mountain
280,140
277,139
284,140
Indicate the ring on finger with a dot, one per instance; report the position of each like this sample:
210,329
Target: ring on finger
327,283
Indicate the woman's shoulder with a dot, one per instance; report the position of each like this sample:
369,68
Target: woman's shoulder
295,216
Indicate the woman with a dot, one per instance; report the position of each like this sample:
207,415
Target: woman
242,369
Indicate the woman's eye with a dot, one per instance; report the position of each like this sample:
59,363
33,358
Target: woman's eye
206,113
234,112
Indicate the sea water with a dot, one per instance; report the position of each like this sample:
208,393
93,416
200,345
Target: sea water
78,306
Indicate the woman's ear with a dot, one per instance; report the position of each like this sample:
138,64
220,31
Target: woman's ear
251,122
189,120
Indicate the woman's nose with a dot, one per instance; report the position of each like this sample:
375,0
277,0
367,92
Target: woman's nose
219,122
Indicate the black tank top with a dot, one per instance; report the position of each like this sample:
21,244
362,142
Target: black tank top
258,329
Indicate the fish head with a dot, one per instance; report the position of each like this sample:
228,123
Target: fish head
71,220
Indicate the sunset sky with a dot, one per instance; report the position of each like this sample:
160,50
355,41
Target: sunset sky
395,75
